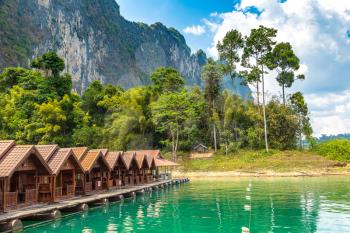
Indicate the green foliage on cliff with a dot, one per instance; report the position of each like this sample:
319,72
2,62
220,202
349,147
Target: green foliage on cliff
37,106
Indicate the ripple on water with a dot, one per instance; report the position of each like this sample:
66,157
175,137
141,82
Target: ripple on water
224,205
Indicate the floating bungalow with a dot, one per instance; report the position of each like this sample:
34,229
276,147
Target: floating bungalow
115,161
96,169
66,170
32,174
25,177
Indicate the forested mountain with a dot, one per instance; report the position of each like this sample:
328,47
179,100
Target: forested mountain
95,41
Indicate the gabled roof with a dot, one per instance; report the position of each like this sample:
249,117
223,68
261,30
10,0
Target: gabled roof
46,151
104,151
16,156
79,152
165,163
112,158
150,160
5,146
199,145
59,158
154,153
128,157
90,159
140,157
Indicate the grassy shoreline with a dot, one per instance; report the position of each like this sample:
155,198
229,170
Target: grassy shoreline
248,163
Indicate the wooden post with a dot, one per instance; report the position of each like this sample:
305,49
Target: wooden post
4,192
74,181
37,185
53,188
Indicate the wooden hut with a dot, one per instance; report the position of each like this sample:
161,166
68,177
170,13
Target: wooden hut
23,173
79,152
200,148
114,159
142,165
66,169
148,176
97,171
162,167
128,174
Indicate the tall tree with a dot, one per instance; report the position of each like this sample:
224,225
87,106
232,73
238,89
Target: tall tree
229,52
212,76
285,62
170,112
167,80
257,50
50,62
300,108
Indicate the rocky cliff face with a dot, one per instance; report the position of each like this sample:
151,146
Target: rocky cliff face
96,42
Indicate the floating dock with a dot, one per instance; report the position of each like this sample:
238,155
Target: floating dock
11,221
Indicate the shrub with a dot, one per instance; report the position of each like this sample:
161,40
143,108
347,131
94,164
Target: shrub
338,149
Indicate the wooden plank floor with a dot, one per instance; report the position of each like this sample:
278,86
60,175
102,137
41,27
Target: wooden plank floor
42,208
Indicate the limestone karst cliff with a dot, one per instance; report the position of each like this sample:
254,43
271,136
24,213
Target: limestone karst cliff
96,42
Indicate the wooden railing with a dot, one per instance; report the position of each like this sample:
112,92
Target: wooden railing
11,199
58,192
88,187
31,196
70,190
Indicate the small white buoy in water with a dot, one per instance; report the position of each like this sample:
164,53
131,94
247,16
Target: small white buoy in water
248,189
247,198
245,230
247,207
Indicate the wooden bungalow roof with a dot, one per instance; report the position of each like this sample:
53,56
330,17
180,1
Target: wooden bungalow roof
5,146
90,159
16,156
104,151
150,160
154,153
47,151
59,158
127,158
79,152
112,158
140,157
165,163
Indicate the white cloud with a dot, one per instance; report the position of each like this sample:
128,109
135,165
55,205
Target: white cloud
317,30
213,14
330,112
196,30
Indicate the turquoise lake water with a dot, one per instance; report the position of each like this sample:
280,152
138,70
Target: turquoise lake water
224,205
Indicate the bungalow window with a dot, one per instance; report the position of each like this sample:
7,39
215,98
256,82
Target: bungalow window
46,180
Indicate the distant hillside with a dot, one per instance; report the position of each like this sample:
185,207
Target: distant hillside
96,42
331,137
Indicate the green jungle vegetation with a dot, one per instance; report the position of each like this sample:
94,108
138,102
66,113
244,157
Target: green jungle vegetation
38,105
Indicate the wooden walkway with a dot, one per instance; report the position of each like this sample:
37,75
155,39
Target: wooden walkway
44,208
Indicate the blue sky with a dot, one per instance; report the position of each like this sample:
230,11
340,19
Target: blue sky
176,13
317,29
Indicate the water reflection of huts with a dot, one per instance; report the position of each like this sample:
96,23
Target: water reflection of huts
31,174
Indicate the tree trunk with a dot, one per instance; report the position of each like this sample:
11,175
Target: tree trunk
264,111
176,144
258,94
173,145
300,132
215,148
284,96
